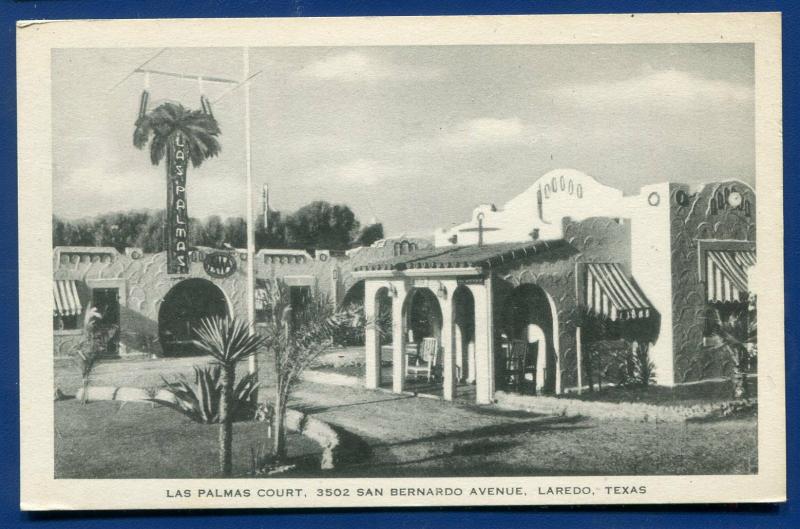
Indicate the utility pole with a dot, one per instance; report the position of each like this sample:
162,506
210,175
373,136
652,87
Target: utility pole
252,363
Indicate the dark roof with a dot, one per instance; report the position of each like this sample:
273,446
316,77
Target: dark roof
472,256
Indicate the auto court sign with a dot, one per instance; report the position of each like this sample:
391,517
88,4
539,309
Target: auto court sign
177,214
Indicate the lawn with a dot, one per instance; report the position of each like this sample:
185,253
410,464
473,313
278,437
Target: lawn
684,395
391,435
136,440
571,446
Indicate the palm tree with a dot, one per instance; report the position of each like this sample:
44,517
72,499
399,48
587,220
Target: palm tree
296,336
735,333
172,123
163,124
228,341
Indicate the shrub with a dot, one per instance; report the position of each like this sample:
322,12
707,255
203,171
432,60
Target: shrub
200,401
87,352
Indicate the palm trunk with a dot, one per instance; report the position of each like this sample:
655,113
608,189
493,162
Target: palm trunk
279,429
226,421
85,396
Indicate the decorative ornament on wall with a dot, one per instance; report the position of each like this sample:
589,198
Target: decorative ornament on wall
219,264
654,198
735,199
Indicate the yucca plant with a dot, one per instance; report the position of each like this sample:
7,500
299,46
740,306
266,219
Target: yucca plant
228,341
200,401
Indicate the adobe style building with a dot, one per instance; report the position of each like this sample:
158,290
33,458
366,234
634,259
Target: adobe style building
153,312
566,244
526,271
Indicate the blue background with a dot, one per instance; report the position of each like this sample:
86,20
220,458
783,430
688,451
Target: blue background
785,515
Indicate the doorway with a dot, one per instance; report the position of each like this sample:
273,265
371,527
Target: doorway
106,301
184,306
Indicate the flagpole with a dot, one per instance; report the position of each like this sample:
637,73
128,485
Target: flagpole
252,363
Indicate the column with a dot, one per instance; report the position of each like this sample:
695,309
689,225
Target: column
448,351
398,337
484,342
579,359
372,337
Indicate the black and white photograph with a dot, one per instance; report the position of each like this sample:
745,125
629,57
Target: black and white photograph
363,263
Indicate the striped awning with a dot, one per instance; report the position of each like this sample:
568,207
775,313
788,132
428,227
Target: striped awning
610,293
726,274
65,298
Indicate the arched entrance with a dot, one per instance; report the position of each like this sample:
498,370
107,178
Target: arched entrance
353,300
180,313
528,315
422,315
354,295
464,339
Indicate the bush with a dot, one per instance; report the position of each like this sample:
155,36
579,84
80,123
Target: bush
201,401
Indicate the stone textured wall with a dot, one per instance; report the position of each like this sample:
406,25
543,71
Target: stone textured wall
693,217
597,239
146,282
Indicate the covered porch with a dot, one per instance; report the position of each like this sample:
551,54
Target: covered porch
432,321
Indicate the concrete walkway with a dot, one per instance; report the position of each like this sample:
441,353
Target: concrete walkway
395,430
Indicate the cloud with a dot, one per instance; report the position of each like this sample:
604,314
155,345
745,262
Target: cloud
662,88
363,171
359,66
489,131
93,189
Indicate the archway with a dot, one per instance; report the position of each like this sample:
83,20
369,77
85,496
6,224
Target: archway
354,295
180,313
422,316
528,315
464,339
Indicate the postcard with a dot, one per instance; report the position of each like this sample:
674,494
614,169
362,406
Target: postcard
401,261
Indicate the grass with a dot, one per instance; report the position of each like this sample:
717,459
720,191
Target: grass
707,392
136,440
571,446
351,370
393,435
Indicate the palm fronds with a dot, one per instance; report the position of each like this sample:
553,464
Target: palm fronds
200,401
227,340
161,125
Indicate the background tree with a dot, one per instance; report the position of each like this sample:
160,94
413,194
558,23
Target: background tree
322,225
370,234
274,235
317,225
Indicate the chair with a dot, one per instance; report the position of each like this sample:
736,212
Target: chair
530,364
515,363
425,362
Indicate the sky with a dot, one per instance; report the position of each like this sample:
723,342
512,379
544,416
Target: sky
414,137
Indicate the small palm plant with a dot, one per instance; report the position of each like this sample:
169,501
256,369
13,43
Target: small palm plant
297,336
87,351
200,401
228,341
735,334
